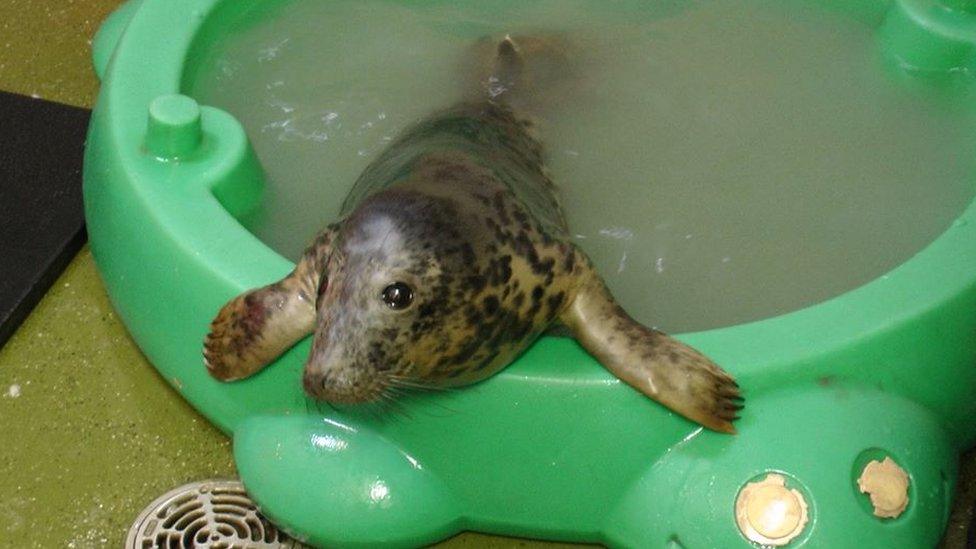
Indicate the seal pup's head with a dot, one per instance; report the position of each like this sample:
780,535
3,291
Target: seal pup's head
399,304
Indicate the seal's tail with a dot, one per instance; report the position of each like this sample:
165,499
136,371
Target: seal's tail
507,71
521,70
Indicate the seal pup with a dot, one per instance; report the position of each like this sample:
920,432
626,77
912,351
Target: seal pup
451,256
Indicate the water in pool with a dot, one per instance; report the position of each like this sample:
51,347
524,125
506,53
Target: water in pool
721,162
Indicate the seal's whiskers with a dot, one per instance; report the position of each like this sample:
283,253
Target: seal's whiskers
404,383
390,399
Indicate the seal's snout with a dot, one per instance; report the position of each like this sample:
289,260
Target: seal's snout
341,385
322,386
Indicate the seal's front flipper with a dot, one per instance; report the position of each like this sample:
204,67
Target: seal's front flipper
657,365
255,327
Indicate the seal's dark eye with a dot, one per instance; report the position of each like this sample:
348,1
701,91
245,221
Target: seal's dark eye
398,295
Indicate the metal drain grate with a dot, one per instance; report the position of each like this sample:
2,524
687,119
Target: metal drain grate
214,514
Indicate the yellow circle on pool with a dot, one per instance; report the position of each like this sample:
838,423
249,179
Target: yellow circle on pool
887,485
770,513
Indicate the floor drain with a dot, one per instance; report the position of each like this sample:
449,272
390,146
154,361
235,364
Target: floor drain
213,514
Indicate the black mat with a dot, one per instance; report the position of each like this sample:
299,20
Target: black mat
41,217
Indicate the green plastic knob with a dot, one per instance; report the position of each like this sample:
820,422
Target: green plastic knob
174,127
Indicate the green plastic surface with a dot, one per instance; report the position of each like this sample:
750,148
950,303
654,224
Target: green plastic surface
553,446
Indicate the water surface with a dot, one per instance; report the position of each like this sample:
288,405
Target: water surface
720,161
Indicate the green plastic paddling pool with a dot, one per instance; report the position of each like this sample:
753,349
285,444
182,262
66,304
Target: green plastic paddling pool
553,447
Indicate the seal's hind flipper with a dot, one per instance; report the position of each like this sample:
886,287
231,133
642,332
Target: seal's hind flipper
508,68
255,327
655,364
525,71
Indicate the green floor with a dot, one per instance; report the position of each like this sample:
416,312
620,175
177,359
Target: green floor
94,434
90,432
